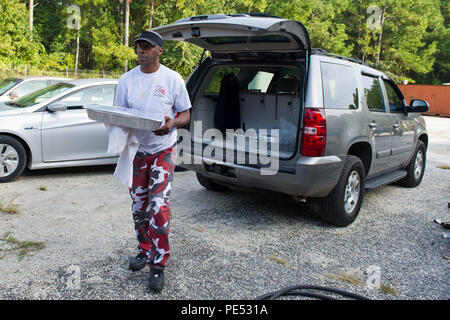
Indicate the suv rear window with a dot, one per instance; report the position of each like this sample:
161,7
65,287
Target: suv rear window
214,85
232,40
340,89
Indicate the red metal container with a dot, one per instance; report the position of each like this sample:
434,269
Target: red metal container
437,96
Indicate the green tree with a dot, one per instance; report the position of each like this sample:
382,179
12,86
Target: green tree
15,47
399,37
441,68
406,38
322,20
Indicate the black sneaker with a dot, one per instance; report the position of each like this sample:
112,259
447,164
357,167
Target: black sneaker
156,279
137,263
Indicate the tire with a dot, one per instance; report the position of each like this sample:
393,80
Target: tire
342,205
416,167
210,184
13,159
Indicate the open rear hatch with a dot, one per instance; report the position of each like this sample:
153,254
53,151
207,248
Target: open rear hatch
240,34
264,101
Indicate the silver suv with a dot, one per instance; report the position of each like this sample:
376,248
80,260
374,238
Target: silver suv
269,112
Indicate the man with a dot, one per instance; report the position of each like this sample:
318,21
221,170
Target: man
152,87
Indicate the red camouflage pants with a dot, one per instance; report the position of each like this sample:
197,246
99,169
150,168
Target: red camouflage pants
150,191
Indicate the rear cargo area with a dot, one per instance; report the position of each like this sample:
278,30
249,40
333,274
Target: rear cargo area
256,108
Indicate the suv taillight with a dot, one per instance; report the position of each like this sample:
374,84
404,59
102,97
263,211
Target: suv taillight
314,133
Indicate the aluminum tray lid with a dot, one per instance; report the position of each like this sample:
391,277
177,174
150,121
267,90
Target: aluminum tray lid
126,112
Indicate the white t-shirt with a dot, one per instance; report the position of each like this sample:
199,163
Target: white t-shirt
162,92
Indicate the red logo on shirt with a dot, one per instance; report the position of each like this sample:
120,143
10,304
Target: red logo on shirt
160,91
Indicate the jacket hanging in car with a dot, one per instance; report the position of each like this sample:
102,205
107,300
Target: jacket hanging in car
227,114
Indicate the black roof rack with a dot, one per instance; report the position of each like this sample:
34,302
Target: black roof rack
260,14
225,16
325,53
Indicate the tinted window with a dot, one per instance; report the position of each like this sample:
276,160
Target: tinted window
372,94
214,85
226,40
270,38
288,85
233,40
340,90
395,99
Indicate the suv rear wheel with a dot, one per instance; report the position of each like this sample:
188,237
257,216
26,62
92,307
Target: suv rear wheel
342,205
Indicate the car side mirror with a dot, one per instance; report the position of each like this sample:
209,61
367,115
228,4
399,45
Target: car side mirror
13,95
57,106
417,105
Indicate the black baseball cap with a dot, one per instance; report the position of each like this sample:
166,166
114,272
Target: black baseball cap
151,37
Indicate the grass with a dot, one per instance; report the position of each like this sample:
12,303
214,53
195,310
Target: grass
387,289
43,188
444,167
347,277
22,247
9,207
277,259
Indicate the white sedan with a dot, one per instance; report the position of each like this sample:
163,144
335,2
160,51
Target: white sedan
16,87
50,128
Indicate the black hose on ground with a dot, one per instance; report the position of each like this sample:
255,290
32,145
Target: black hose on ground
301,290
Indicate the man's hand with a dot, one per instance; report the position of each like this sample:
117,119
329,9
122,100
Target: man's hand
181,119
165,129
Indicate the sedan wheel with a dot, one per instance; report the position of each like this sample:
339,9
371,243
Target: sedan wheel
13,158
9,160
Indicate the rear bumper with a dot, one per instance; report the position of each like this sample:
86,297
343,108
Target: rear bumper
312,177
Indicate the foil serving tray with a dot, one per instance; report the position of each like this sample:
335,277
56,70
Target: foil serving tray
124,117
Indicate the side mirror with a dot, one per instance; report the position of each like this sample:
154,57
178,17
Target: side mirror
417,105
57,106
13,95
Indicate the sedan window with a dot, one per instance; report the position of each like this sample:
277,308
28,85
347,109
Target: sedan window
30,86
41,95
7,84
103,95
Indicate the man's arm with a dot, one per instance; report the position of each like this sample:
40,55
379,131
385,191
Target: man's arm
181,119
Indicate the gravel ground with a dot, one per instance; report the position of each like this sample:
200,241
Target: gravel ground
73,233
